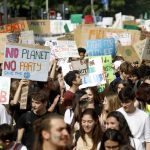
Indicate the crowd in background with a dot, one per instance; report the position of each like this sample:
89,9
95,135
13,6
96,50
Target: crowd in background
57,118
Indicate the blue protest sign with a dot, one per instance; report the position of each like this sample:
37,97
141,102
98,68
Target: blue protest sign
100,47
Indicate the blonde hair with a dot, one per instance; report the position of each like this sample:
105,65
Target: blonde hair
113,101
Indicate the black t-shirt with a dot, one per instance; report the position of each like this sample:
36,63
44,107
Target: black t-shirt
26,122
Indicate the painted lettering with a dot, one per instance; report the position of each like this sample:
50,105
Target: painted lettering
10,65
34,54
12,53
30,66
3,95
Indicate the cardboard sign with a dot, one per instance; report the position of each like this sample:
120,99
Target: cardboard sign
4,90
26,62
128,53
91,32
144,35
39,26
139,48
3,40
101,47
146,52
14,27
24,97
62,49
27,37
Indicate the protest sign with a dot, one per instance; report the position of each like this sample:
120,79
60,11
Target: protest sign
59,26
14,27
4,90
80,65
107,66
144,35
128,53
24,97
39,26
3,40
62,49
95,73
26,62
124,38
91,32
139,48
27,37
100,47
76,18
146,52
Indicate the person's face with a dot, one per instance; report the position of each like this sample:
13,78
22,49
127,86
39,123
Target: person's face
59,136
90,95
82,55
112,123
78,80
111,145
120,87
128,106
125,76
106,104
87,123
38,106
133,78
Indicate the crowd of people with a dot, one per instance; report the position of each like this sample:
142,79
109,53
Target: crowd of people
56,118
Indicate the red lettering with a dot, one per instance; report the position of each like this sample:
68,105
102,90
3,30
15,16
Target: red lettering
11,65
3,96
12,53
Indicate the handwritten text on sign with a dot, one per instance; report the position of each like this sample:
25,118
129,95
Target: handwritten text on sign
19,26
63,49
101,47
24,62
4,90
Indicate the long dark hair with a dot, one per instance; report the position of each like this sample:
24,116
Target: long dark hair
97,131
123,125
111,134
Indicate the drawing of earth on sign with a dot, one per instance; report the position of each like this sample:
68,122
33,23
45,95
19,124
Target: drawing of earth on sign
26,75
128,52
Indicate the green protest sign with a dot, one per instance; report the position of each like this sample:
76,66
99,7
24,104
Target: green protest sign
76,18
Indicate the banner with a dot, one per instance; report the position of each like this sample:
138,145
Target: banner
4,90
26,62
14,27
146,52
100,47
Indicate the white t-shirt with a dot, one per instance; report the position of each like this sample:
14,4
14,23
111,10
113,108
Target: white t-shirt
68,116
4,116
139,123
137,144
